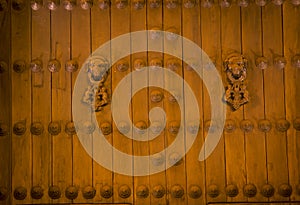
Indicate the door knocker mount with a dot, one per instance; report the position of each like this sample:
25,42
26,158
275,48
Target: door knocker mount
236,94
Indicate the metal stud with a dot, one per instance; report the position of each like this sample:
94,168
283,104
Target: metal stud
36,65
106,191
36,128
278,2
86,4
156,96
3,193
243,3
89,192
18,5
296,58
123,127
282,125
3,67
158,159
172,34
37,192
69,4
158,191
267,190
229,126
103,4
105,128
155,33
19,66
285,190
121,4
173,64
177,191
154,4
264,125
225,3
250,190
193,127
122,66
246,125
207,3
138,4
232,190
70,128
156,63
174,127
87,127
175,159
139,64
261,2
19,128
213,191
174,97
140,127
54,128
36,4
3,129
20,193
279,62
261,62
3,5
54,65
71,66
189,4
142,191
124,191
195,192
52,4
296,124
172,4
295,2
156,127
54,192
71,192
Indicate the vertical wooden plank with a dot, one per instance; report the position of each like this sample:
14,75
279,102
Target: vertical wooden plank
82,162
175,175
291,28
211,44
21,103
102,178
195,170
61,101
139,104
154,22
234,140
274,99
5,104
120,24
41,102
254,110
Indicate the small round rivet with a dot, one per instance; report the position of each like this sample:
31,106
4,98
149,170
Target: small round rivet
103,4
86,4
296,58
140,127
122,65
261,62
229,126
36,65
156,96
158,191
37,192
173,97
158,159
173,64
296,124
3,5
174,127
52,4
175,159
171,34
243,3
138,64
156,63
193,127
71,192
19,128
209,126
282,125
277,2
121,4
3,129
261,2
172,4
54,128
36,128
225,3
264,125
20,193
19,66
54,192
70,128
267,190
3,67
156,127
142,191
36,4
250,190
105,128
124,191
154,4
106,191
87,127
123,127
177,191
89,192
295,2
189,3
232,190
195,192
213,191
247,125
18,5
69,4
71,66
207,3
279,62
53,65
3,193
285,190
138,4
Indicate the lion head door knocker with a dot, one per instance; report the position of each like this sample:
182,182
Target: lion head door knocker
236,71
96,94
